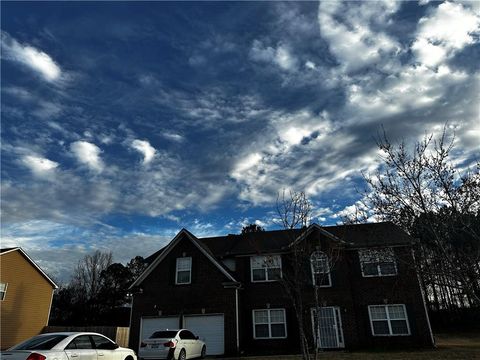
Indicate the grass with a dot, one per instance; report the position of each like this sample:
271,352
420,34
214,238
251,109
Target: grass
449,347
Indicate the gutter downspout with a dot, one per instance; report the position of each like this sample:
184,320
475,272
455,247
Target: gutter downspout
424,303
236,320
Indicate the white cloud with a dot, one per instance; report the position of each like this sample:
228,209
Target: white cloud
246,164
310,65
35,59
448,29
87,154
144,148
347,28
280,56
38,165
173,136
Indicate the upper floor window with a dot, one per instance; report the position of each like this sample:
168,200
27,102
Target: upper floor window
269,324
266,268
320,269
3,290
388,320
378,262
184,270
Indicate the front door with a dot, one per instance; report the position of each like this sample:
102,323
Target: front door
327,327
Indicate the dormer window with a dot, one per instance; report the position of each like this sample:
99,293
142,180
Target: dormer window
378,262
265,268
183,273
320,269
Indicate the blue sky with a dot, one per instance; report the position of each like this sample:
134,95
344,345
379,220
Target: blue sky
123,122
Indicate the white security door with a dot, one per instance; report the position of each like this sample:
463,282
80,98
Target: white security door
151,324
210,329
329,327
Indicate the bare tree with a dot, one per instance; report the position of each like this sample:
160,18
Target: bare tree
421,191
86,279
308,266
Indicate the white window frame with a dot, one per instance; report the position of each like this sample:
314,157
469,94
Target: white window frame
320,253
3,293
377,261
388,320
265,268
269,323
177,270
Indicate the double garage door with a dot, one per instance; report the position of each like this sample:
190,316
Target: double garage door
209,328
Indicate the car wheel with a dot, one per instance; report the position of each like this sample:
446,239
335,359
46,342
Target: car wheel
204,352
182,355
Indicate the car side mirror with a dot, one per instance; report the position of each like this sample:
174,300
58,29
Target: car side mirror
196,337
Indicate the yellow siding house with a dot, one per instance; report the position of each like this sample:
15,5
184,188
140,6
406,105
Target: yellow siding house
26,294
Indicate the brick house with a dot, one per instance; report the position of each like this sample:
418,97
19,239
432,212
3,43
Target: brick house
230,290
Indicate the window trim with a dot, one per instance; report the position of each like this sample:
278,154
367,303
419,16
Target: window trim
313,271
389,320
379,271
269,324
3,292
190,271
265,268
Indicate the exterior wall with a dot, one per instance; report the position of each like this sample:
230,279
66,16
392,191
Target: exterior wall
205,294
350,292
400,289
26,307
263,295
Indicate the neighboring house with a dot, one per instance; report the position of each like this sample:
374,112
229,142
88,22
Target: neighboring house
26,294
226,290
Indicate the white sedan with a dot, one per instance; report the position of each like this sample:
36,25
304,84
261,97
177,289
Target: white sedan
172,344
68,346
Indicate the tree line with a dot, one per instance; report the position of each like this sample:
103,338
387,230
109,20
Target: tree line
97,293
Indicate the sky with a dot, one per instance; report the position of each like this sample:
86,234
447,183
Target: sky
123,122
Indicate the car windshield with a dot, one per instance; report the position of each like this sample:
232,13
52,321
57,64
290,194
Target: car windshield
40,342
163,334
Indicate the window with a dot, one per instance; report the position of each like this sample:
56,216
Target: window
266,268
40,342
3,291
320,269
103,343
269,324
378,262
388,320
187,335
80,342
184,271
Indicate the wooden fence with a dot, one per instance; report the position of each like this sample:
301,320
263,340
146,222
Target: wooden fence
118,334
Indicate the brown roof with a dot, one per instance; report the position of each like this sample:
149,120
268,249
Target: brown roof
357,235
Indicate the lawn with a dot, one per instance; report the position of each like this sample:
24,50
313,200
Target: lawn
449,347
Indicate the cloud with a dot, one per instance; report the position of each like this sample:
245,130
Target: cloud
348,29
280,56
446,30
173,136
144,148
31,57
87,154
39,166
58,247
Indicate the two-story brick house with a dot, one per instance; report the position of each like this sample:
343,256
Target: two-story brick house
230,290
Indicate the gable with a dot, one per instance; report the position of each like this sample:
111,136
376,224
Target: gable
183,235
27,261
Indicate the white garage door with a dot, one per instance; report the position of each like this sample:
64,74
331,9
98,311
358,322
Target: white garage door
210,329
150,325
